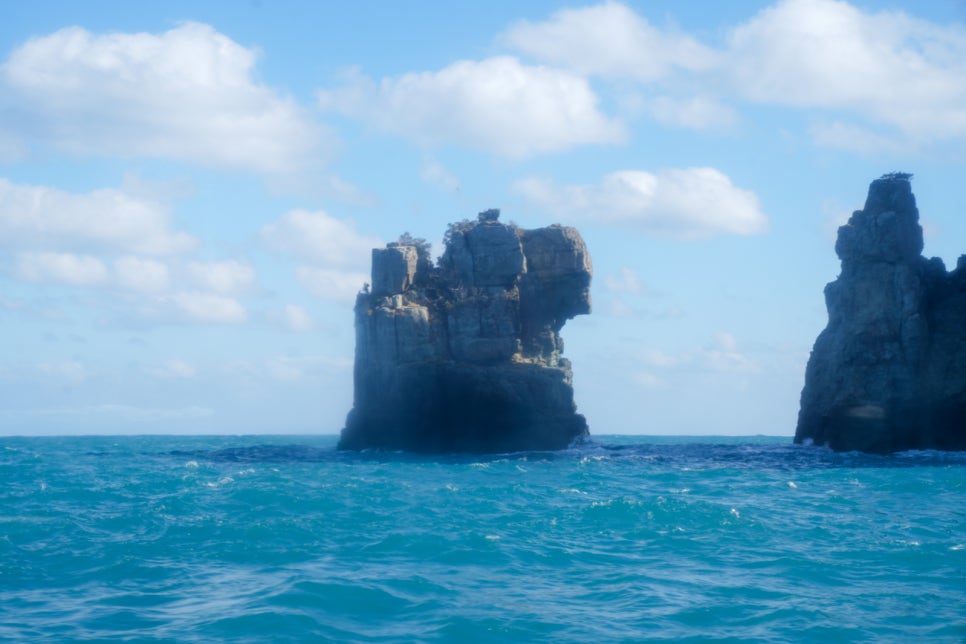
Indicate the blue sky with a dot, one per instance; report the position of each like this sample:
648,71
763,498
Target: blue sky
189,191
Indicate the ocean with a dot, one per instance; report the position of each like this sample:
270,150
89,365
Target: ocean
627,539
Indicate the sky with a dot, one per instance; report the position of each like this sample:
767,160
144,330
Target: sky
190,191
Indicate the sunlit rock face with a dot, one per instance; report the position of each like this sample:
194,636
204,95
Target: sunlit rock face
466,356
888,373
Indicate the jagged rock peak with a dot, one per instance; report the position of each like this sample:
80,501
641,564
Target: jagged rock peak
888,373
466,355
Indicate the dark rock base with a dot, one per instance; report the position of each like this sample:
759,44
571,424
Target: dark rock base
465,408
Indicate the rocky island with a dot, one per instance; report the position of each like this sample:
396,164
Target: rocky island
466,356
888,373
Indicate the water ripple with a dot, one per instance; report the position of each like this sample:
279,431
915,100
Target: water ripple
200,539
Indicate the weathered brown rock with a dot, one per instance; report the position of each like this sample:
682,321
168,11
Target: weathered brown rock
888,373
466,356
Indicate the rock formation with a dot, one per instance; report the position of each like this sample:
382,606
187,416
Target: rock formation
888,373
466,356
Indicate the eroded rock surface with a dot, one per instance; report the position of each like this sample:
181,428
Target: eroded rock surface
888,373
466,356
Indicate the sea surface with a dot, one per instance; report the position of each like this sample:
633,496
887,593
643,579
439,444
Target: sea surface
284,539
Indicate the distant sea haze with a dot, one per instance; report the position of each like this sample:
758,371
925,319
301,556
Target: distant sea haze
628,538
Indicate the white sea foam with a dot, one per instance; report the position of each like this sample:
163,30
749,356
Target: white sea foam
225,480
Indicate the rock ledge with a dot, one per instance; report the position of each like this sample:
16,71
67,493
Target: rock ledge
466,356
888,373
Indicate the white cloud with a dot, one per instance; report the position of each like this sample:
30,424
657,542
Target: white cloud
331,284
658,358
186,94
64,268
206,307
681,202
69,370
334,255
434,173
851,137
722,355
12,148
694,113
297,318
295,368
320,238
225,277
141,274
41,217
887,66
498,104
626,281
726,341
608,39
648,380
902,78
174,369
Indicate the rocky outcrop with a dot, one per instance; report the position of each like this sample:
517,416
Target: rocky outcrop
466,356
888,373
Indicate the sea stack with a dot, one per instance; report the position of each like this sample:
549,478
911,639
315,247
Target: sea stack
888,373
466,356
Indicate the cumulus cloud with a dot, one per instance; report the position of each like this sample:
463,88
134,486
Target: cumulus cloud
498,105
196,306
226,277
47,218
626,281
63,268
694,113
331,283
434,173
851,137
174,369
141,274
887,66
332,254
318,237
680,202
295,368
69,370
722,355
186,94
896,75
117,240
297,318
608,39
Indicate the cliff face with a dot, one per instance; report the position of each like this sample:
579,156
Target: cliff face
888,373
466,356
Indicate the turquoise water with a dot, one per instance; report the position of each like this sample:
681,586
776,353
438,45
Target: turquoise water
200,539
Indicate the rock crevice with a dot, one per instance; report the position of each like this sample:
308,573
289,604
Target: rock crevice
888,373
466,356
